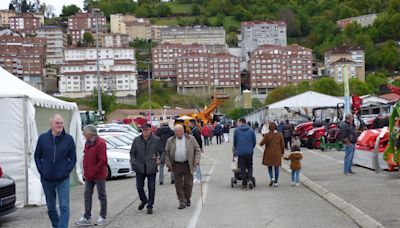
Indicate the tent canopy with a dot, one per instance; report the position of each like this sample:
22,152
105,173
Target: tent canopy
13,87
307,99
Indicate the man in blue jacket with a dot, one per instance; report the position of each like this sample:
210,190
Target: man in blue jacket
244,141
55,158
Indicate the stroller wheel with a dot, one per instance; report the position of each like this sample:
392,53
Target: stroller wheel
232,182
254,181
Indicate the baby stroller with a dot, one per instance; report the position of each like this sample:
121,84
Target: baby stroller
237,177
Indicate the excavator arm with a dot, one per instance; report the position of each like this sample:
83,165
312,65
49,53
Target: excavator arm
205,115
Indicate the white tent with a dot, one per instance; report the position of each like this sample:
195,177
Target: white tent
25,113
307,99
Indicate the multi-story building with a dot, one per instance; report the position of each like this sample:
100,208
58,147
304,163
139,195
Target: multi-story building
364,20
156,32
207,73
117,22
272,66
56,41
24,58
25,23
139,29
118,73
354,54
213,36
5,18
80,23
343,67
164,58
117,40
257,33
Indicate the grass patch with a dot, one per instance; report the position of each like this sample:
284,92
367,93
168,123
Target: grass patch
179,8
170,20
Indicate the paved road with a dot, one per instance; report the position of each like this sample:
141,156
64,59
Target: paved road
284,206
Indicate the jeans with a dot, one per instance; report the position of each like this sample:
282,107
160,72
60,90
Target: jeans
295,176
151,185
246,168
206,142
288,142
219,138
198,173
348,158
276,172
161,174
51,190
101,192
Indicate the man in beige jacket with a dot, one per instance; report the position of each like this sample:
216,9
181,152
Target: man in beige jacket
182,156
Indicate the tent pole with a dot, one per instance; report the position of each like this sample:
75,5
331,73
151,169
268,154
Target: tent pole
26,152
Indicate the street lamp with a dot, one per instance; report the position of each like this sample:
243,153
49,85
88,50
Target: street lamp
96,13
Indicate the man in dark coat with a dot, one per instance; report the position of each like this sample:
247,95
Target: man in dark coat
164,132
146,155
349,138
287,134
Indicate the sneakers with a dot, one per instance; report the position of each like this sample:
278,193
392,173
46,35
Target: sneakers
149,211
271,182
182,206
161,183
275,184
196,181
297,184
293,183
83,222
101,221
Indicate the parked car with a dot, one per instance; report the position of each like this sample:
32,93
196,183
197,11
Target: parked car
7,194
118,163
114,143
122,136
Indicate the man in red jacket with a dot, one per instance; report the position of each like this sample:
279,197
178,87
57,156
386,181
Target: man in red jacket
95,173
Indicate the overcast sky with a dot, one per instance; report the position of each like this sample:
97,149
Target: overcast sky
58,4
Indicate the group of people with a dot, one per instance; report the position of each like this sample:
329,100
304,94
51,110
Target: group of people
217,130
55,158
244,141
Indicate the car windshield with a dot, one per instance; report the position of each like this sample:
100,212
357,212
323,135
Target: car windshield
116,142
124,139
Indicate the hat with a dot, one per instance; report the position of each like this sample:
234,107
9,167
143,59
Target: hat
146,126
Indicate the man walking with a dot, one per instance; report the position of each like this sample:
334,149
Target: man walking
146,153
95,173
349,138
287,134
196,134
164,133
182,156
218,132
55,158
244,141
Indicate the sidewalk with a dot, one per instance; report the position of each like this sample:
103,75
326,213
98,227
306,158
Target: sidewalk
377,195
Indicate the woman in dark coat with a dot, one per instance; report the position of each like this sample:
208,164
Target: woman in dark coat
273,152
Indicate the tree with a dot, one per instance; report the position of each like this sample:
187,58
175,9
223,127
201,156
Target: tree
154,105
389,56
256,103
196,10
88,39
11,7
107,100
49,11
142,11
328,86
241,14
358,87
280,93
163,10
375,80
292,24
24,6
237,113
219,20
69,10
232,39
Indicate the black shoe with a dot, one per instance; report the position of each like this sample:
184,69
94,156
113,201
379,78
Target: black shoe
173,182
188,203
141,206
161,183
149,211
271,183
182,206
251,186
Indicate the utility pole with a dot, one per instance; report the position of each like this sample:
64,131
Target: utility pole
149,82
96,13
346,90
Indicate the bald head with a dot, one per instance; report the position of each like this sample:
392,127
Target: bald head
56,124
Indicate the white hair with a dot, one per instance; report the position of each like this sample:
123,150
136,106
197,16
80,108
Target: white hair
90,129
178,127
54,116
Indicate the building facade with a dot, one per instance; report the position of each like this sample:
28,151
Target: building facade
138,29
354,54
343,67
80,23
117,40
213,36
56,41
118,73
364,20
273,66
164,58
156,32
25,23
257,33
24,58
208,73
5,18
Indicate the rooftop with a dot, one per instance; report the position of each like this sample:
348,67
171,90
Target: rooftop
252,23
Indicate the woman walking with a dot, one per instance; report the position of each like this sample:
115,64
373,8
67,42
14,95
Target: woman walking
273,152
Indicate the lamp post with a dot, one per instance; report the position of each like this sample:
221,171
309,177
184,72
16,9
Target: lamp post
346,89
96,13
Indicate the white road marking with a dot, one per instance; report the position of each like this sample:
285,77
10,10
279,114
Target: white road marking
196,215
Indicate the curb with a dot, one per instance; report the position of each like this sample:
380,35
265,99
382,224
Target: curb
358,216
